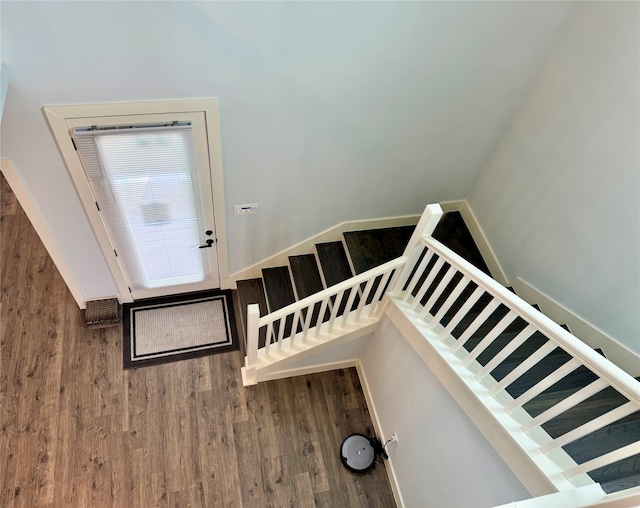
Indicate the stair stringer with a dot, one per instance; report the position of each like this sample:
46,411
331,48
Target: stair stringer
618,353
333,234
298,360
540,473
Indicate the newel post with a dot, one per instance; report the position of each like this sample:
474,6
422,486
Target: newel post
426,225
249,372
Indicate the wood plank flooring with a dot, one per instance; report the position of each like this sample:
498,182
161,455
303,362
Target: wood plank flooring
79,431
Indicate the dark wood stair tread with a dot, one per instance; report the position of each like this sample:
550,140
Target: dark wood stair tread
598,404
252,291
621,481
604,440
334,262
375,247
618,476
491,321
453,232
372,248
306,275
279,290
278,287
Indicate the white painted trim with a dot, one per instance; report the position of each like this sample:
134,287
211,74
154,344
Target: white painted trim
292,355
36,218
307,246
605,369
375,419
212,113
582,497
629,498
479,237
345,364
311,369
452,206
58,117
619,354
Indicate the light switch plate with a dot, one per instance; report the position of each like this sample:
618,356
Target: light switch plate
245,209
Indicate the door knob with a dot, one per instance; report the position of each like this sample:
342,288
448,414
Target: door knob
209,243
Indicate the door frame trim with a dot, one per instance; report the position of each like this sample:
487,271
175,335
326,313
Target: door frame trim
57,118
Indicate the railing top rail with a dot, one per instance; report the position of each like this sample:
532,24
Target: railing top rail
607,370
332,291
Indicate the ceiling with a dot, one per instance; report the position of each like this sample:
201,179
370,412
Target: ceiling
330,111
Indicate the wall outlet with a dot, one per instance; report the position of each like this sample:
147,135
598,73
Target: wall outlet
245,209
393,438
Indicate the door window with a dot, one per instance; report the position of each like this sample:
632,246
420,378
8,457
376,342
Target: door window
146,184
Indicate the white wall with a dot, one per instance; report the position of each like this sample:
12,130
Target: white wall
441,459
4,85
330,111
560,199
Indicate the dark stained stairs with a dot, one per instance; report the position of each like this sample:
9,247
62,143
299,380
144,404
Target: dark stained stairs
330,265
615,477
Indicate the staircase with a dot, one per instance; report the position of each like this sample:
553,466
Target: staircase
505,354
573,412
331,264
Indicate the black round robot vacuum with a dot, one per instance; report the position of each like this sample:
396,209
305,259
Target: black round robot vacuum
357,453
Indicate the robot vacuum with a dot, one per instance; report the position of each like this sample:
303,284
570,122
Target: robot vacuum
358,452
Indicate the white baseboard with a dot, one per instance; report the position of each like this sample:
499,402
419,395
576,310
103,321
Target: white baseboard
345,364
311,369
388,464
627,360
308,246
478,237
29,206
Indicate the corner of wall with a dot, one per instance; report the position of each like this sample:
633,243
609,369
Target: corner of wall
4,85
375,419
623,357
42,229
479,237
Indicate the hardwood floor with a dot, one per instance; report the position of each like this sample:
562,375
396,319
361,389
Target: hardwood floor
78,431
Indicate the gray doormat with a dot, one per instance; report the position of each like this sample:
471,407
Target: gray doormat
162,330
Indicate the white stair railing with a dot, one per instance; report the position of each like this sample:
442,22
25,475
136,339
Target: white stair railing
417,293
317,319
414,283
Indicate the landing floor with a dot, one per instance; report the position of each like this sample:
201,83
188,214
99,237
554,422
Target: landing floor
77,430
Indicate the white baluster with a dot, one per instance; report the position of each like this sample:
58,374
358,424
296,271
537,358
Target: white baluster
597,423
427,283
490,337
475,324
604,460
253,332
566,404
438,291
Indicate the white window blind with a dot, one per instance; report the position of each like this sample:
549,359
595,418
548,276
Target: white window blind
145,181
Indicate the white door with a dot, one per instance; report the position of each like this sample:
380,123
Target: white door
151,181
